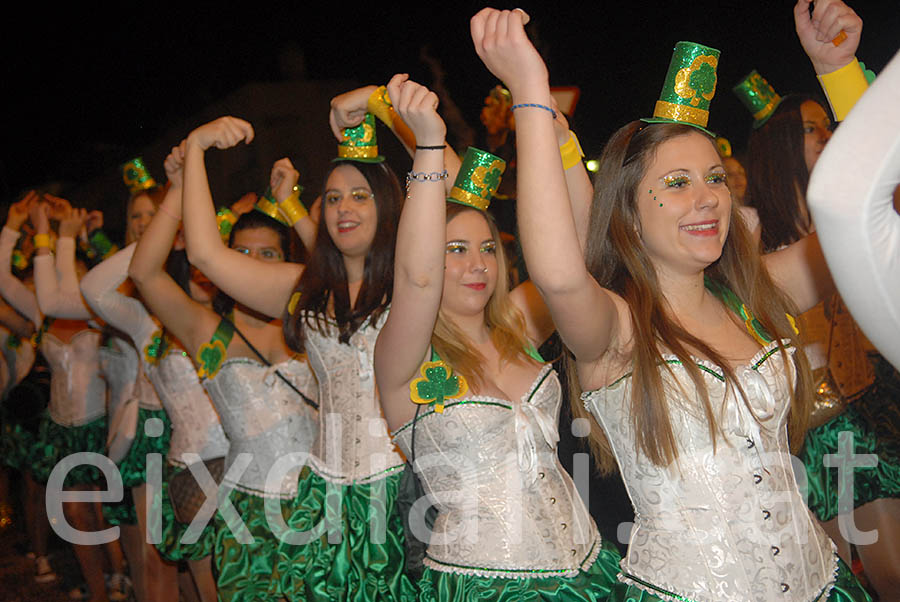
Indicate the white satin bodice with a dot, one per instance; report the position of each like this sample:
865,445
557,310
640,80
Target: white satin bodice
506,507
77,393
353,445
266,419
195,424
726,522
119,368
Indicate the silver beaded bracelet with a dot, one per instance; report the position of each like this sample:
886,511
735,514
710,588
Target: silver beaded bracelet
421,176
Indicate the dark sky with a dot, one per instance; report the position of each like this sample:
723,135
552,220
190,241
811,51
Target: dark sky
81,88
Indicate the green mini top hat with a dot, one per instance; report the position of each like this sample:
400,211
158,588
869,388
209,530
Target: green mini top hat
136,176
360,143
268,205
478,179
758,96
689,87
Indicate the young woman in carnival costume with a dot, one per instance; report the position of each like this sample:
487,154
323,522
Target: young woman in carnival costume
510,523
787,138
682,340
261,414
76,415
333,308
185,421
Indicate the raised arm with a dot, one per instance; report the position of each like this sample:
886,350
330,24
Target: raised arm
283,182
12,289
419,258
14,322
265,287
56,284
851,199
189,321
100,290
585,314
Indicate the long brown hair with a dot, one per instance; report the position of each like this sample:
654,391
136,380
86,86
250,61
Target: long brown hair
504,320
777,174
616,258
325,277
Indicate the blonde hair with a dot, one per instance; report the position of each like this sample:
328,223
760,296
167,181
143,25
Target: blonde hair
616,258
504,320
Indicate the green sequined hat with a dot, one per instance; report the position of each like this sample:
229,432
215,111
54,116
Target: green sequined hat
267,204
136,176
478,179
689,87
758,96
723,145
360,143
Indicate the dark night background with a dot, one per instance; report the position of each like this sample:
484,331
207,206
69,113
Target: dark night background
87,88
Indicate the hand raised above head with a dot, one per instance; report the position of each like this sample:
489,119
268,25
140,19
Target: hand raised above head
283,178
71,224
821,34
174,165
504,48
349,109
224,132
417,106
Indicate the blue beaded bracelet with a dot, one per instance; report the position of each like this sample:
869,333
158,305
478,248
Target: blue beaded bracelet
532,104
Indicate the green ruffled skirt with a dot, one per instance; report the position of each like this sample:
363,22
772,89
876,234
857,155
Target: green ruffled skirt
846,589
267,569
343,564
133,467
824,488
171,547
593,585
54,442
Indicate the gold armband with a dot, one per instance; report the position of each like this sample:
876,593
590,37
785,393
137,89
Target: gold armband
41,241
844,87
571,152
292,208
380,106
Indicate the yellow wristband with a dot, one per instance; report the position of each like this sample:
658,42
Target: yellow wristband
292,208
571,152
844,87
380,106
41,241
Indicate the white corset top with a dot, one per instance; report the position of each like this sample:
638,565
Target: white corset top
77,393
727,523
506,507
195,424
119,368
353,444
266,419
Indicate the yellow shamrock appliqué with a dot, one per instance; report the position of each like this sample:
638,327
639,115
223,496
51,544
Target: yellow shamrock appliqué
437,384
210,357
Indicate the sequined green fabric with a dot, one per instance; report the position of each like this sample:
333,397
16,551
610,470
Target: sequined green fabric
170,545
16,443
54,442
846,589
881,481
133,466
592,585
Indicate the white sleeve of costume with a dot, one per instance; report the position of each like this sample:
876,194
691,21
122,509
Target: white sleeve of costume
851,200
19,296
100,290
54,284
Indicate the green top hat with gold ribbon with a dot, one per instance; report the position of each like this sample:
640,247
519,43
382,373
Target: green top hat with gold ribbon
689,87
478,179
267,204
758,96
136,176
360,143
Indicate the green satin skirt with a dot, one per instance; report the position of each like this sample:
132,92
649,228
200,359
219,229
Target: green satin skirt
881,481
54,442
171,547
846,589
593,585
267,569
133,467
359,555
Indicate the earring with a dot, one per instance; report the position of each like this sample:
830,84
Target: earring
484,270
